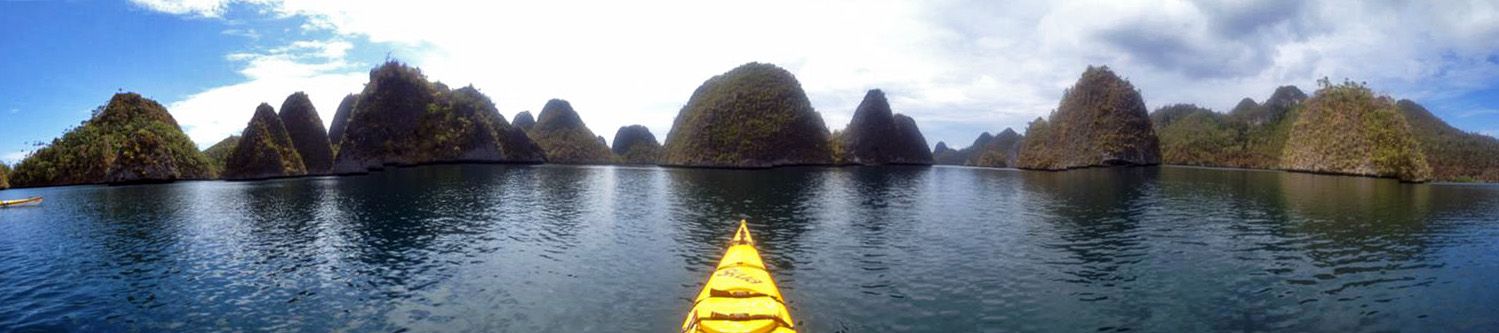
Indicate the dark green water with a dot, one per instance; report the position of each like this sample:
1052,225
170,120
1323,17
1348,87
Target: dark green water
606,249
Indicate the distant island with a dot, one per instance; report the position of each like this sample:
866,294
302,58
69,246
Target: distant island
757,116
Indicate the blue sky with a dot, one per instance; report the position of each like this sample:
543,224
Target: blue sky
958,67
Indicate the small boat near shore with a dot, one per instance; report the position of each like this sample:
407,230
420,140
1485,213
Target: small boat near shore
20,202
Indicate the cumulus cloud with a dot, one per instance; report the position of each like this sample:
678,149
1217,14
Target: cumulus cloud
316,67
14,157
200,8
957,66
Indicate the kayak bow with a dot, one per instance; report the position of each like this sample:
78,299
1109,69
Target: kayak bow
740,295
19,202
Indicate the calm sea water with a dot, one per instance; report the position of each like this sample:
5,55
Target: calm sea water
606,249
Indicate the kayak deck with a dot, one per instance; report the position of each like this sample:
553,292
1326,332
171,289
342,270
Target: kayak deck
740,295
20,202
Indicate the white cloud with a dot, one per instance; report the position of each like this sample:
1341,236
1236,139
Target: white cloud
957,66
201,8
14,157
314,67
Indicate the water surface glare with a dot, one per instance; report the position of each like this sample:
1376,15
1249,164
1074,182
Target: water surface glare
891,249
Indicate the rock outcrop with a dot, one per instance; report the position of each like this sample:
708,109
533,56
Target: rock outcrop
877,136
341,120
4,176
402,119
753,116
218,153
1347,129
265,150
1003,151
966,155
1454,155
564,137
1252,135
524,121
635,144
307,134
132,139
1101,121
944,155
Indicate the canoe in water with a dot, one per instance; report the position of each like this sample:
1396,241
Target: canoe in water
19,202
740,295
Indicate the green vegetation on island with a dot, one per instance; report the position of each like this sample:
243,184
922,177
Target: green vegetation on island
307,134
753,116
4,176
943,154
524,120
877,136
265,150
402,119
1252,135
132,139
1347,129
341,120
635,144
564,137
1454,155
1101,121
1003,151
218,153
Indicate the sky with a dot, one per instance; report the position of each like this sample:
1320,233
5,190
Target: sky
958,67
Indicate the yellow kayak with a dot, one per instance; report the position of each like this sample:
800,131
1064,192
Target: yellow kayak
18,202
740,295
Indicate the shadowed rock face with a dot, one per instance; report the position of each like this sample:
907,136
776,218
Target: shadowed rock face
1277,107
265,150
219,152
753,116
635,144
941,154
1101,121
564,137
1346,129
962,156
524,121
307,134
132,139
1454,155
876,135
402,119
1001,152
341,119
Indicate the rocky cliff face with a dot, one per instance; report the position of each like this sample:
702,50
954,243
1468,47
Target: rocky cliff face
402,119
524,121
265,150
1346,129
218,153
966,155
944,155
753,116
307,134
1454,155
132,139
341,120
1003,151
635,144
876,135
564,137
1101,121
